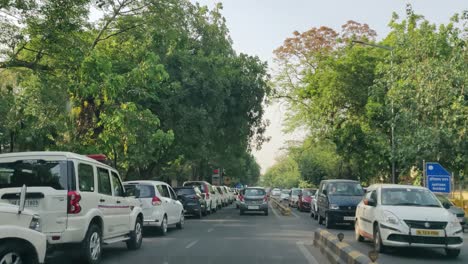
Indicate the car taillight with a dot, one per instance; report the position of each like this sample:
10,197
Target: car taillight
265,199
74,199
156,201
207,196
241,198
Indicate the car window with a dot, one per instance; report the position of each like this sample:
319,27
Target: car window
117,185
185,191
146,191
254,192
171,191
163,191
104,185
86,177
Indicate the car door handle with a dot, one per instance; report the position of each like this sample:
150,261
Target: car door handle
118,202
102,200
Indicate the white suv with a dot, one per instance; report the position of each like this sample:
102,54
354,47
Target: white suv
79,200
407,216
20,238
159,203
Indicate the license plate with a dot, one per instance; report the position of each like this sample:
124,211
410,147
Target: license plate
253,207
348,218
28,203
427,233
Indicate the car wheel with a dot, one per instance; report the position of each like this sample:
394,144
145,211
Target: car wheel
163,227
200,213
320,219
91,247
181,223
452,253
136,236
16,253
379,247
328,223
357,236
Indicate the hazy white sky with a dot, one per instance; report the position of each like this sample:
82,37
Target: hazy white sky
257,27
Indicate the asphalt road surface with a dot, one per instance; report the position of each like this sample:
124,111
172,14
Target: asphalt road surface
224,237
227,237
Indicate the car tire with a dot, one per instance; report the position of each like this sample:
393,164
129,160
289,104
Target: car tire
357,236
452,253
180,224
378,246
91,247
163,228
328,223
136,236
200,213
17,252
320,219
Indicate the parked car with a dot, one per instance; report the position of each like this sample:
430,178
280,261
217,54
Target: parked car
337,201
223,196
230,194
218,198
294,197
457,211
192,200
314,206
207,192
79,200
253,199
276,192
407,216
21,240
285,194
160,205
305,199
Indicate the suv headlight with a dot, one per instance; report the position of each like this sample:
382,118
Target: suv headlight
391,218
35,223
334,207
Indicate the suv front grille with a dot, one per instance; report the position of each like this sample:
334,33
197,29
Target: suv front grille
426,224
348,208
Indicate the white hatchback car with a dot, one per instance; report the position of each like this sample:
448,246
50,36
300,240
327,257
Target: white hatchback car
159,202
407,216
79,200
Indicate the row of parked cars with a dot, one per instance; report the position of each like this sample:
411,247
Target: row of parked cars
53,200
389,215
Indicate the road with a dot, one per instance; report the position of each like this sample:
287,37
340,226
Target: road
227,237
224,237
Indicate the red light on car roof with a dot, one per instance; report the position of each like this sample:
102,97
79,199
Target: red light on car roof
98,157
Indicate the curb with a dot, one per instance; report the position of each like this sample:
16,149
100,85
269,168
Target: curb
338,252
277,204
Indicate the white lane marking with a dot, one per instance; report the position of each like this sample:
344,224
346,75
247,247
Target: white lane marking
306,253
295,215
210,230
191,244
274,212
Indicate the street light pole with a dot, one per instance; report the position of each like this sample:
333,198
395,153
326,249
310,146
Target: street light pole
392,131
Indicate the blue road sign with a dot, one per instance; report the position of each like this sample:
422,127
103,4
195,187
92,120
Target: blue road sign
438,178
239,186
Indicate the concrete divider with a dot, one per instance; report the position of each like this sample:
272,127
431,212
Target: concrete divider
338,252
278,205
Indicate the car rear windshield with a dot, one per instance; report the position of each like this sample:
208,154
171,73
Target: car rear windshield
34,173
409,197
185,191
345,189
200,185
254,192
146,191
285,191
308,192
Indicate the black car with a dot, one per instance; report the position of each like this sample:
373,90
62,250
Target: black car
337,201
192,199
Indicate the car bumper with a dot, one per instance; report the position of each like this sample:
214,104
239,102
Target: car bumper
395,238
194,208
305,206
342,216
257,207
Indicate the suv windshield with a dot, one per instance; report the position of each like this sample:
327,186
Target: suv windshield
345,189
409,197
308,192
295,192
254,192
34,172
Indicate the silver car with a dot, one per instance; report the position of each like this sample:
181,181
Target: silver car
253,199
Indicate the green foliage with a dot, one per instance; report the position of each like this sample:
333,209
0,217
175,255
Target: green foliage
155,85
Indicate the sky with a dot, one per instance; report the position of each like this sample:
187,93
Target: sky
257,27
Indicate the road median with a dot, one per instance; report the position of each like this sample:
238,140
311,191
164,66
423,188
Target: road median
278,205
336,251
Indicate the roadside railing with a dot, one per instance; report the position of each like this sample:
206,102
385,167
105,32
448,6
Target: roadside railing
278,205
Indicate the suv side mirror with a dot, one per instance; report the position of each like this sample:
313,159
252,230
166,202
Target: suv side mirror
446,205
325,192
